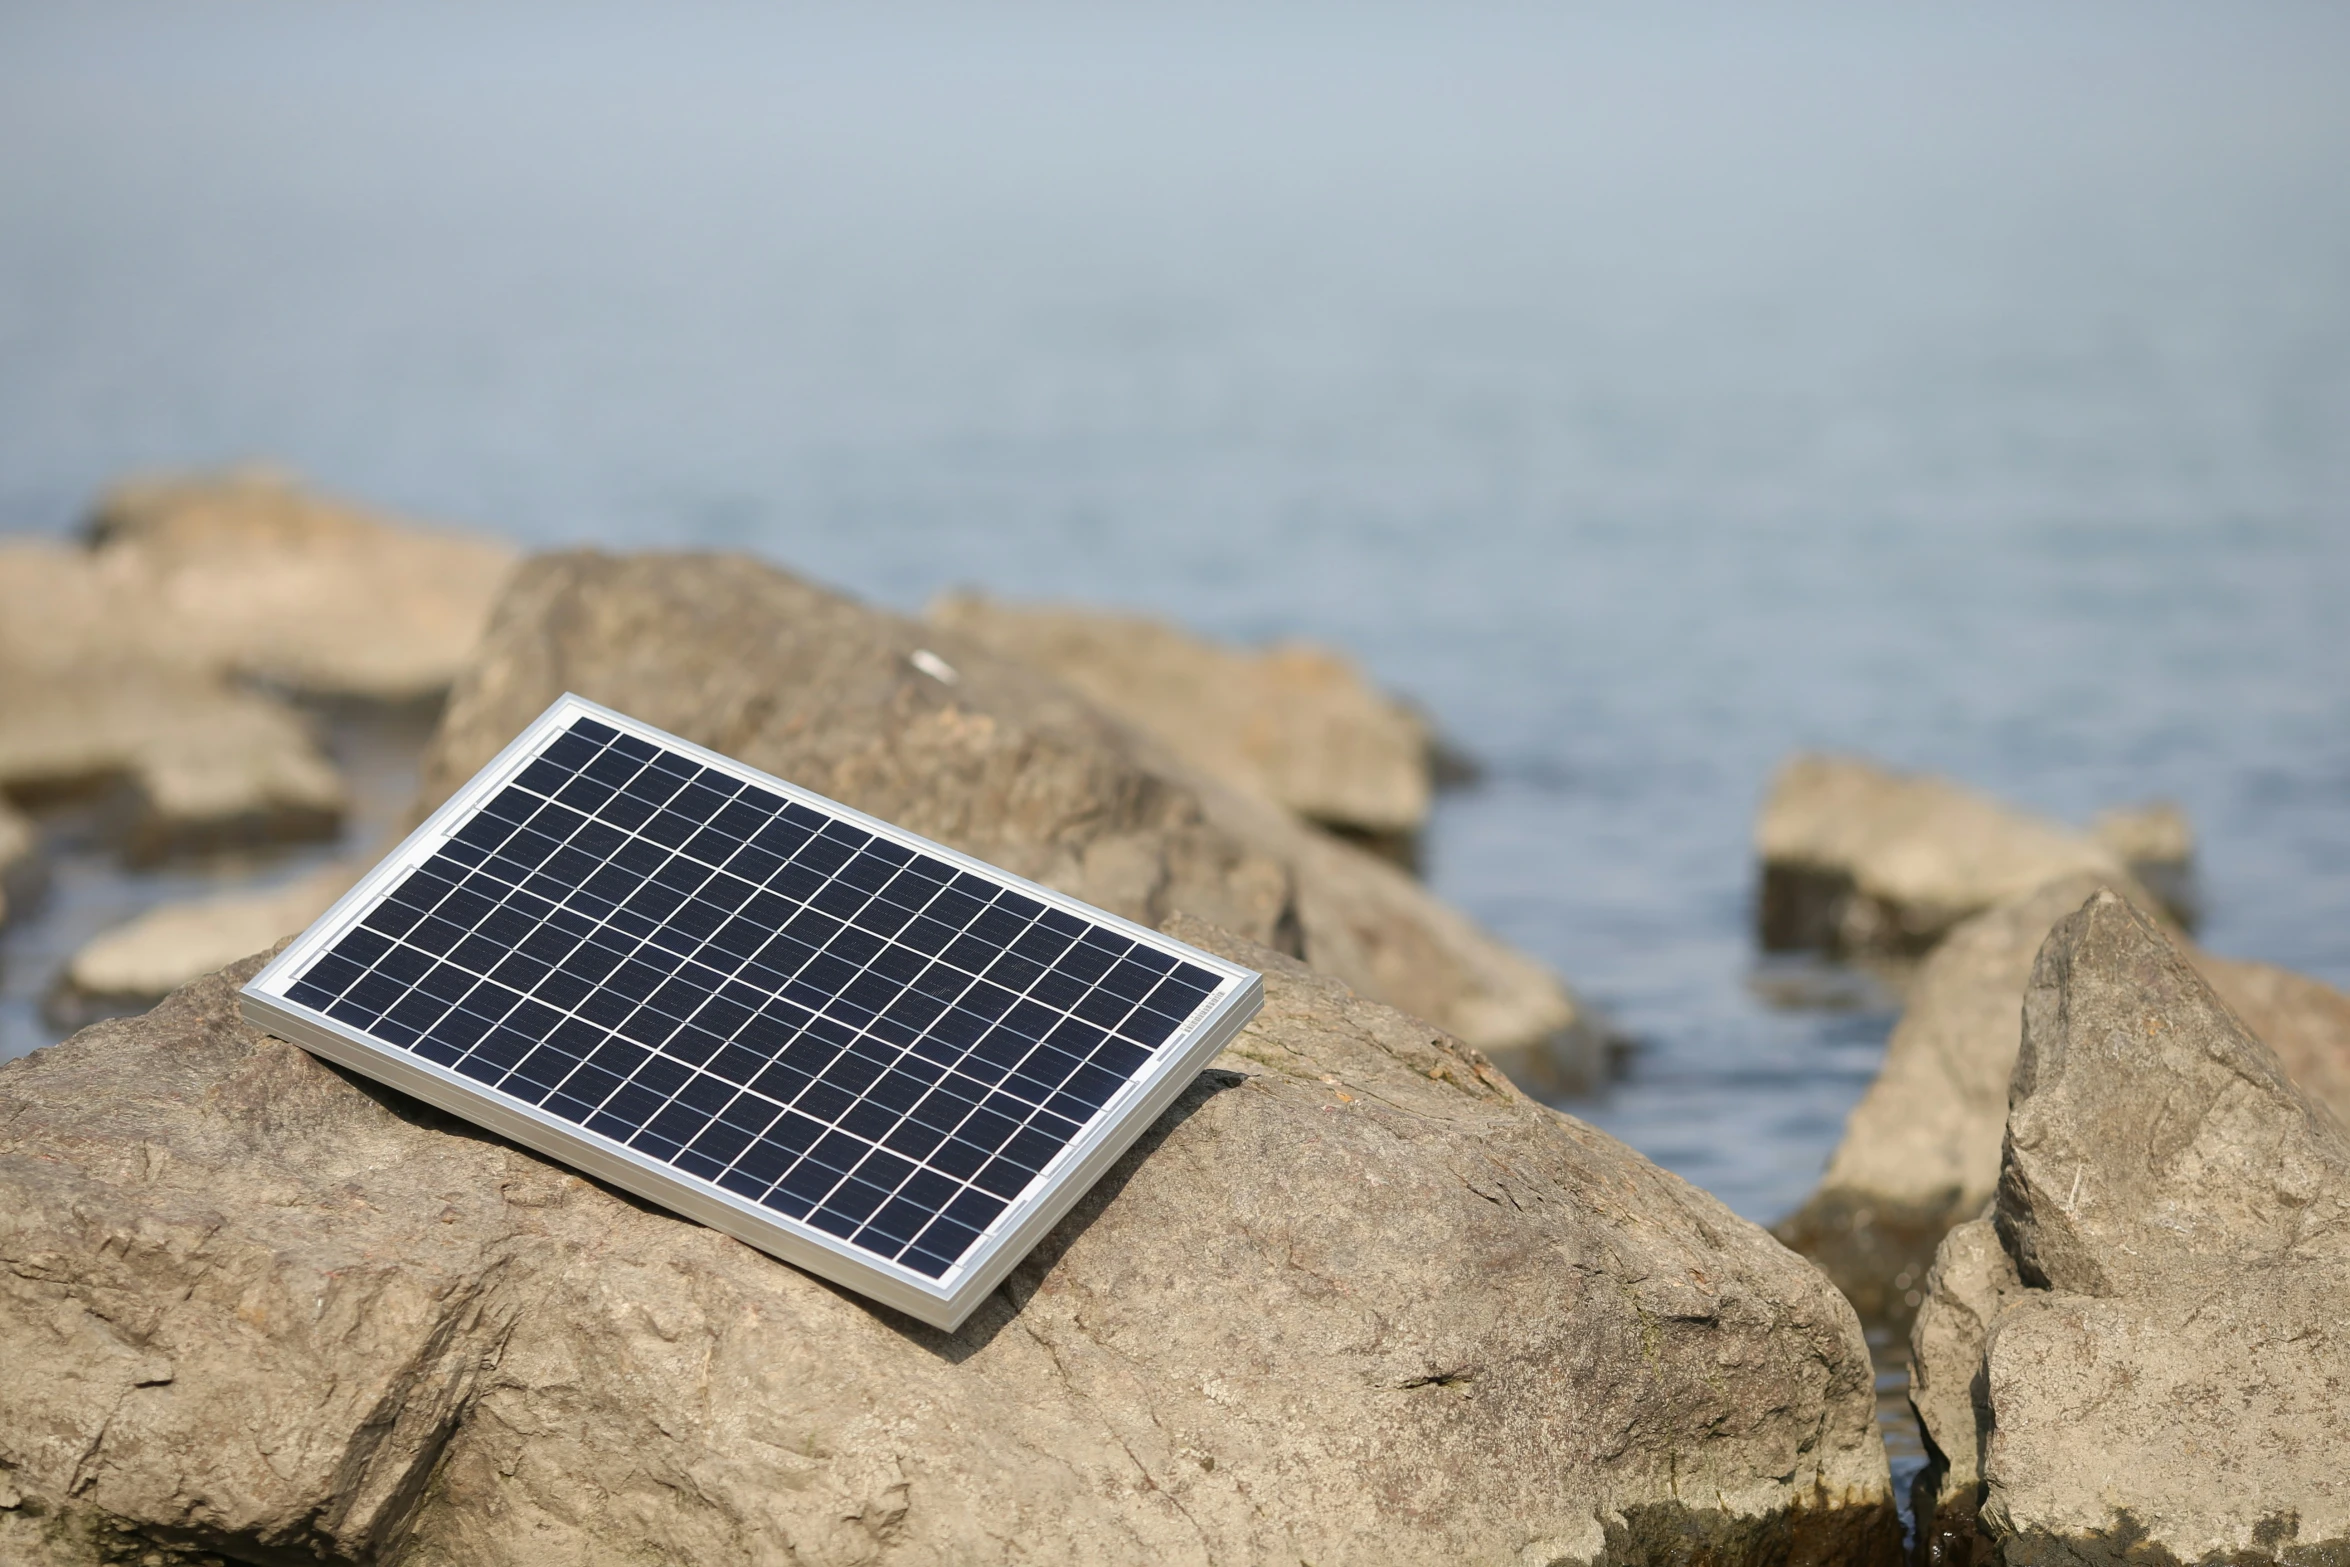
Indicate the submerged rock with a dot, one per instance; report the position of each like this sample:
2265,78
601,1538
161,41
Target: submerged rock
1861,860
1295,724
995,758
1354,1299
2150,1324
1920,1151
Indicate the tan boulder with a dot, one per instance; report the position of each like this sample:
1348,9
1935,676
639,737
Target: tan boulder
248,572
992,757
2150,1326
1859,859
210,765
1920,1152
1354,1299
1296,724
138,657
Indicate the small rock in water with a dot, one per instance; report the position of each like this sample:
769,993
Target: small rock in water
208,766
1355,1299
1007,763
1295,724
1920,1152
2151,1321
1860,860
139,963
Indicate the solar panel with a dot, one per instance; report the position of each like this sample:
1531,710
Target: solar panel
867,1054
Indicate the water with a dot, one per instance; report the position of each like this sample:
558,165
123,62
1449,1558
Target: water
1648,395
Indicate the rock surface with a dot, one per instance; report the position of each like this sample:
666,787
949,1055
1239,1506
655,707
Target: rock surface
991,757
1295,724
1354,1299
138,659
172,943
85,704
249,573
1858,859
1920,1151
2163,1372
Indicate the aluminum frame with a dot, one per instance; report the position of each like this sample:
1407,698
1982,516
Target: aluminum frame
943,1303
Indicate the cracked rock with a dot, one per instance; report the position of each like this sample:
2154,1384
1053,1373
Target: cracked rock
2149,1329
1353,1299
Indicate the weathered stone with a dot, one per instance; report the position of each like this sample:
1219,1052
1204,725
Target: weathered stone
1354,1299
1971,1282
2165,1376
249,573
172,943
1295,724
1920,1151
208,765
1858,859
990,756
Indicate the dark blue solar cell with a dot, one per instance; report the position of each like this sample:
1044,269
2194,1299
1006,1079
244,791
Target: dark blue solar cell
1084,963
625,812
510,805
1103,1007
544,777
612,768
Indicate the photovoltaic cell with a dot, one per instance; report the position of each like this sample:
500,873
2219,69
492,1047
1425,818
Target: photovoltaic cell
832,1027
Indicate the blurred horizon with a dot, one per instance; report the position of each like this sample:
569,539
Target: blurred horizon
1648,394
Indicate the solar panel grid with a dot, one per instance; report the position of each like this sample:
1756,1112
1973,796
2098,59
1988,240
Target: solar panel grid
819,1019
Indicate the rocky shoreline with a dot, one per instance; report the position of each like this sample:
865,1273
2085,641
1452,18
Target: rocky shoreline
1357,1298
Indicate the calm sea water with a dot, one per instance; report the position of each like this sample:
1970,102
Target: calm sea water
1649,396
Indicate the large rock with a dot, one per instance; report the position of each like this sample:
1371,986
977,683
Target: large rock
1920,1151
1295,724
250,573
1861,860
921,728
1354,1299
2149,1329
